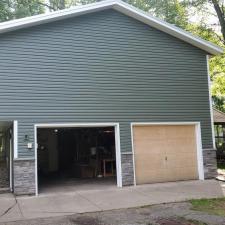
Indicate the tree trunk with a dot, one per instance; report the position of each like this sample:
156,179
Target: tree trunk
221,16
62,4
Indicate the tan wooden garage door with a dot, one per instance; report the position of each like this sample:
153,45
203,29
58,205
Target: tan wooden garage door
165,153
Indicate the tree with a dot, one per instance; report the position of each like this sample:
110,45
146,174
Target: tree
25,8
5,11
54,5
219,7
172,11
13,9
206,5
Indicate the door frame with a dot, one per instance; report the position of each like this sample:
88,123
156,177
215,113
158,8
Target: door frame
198,143
63,125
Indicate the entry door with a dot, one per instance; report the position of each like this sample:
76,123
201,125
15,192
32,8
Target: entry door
165,153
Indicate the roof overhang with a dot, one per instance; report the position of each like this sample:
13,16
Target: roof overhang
121,7
218,116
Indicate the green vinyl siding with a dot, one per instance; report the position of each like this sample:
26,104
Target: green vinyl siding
101,67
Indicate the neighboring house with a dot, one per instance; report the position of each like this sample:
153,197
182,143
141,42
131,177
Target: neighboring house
219,128
104,90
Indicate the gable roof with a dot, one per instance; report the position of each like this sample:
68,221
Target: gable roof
118,6
218,116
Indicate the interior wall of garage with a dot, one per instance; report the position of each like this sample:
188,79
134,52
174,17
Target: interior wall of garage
51,142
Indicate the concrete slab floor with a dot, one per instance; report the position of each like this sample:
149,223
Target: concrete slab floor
9,208
6,201
68,203
73,185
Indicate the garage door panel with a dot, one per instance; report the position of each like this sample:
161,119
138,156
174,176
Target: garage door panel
176,175
190,160
181,164
183,145
143,133
190,173
165,153
149,146
143,163
181,160
180,131
151,176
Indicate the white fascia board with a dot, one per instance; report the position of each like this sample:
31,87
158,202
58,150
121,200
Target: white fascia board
121,7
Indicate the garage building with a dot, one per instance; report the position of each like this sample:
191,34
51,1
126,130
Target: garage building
102,95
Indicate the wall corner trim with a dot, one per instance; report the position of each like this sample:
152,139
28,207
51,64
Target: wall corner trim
210,102
15,139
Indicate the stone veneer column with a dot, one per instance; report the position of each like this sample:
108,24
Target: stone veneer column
210,163
24,176
127,169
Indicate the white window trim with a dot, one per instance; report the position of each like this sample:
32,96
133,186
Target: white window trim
198,142
61,125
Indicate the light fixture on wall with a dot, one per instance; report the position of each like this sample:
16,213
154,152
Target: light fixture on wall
108,131
26,137
56,130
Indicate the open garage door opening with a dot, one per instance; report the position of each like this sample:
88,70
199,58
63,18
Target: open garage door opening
76,158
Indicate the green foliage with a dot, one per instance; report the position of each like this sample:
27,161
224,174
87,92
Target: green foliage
5,11
25,8
13,9
214,206
172,11
54,5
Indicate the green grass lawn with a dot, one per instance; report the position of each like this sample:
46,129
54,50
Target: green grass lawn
214,206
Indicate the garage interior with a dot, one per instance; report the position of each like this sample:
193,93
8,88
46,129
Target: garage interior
76,158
